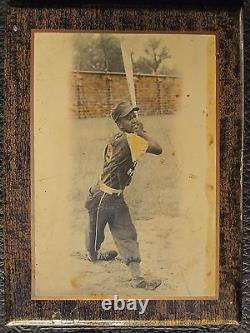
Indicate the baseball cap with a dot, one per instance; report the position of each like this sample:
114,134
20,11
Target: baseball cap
122,109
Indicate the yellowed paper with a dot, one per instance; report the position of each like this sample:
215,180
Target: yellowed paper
173,197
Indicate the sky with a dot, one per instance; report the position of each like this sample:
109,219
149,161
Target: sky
175,43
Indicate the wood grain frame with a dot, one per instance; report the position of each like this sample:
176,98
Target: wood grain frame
230,20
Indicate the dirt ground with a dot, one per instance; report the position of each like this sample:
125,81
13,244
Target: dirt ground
163,254
163,196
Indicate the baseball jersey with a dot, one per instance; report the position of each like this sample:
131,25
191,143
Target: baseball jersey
120,159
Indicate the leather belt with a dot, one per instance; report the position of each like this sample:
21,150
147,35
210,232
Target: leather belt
106,189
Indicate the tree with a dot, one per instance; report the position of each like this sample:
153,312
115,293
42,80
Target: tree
102,52
152,61
97,53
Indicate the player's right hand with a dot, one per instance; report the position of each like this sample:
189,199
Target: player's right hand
138,128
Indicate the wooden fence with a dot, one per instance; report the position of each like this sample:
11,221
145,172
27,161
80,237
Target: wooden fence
94,94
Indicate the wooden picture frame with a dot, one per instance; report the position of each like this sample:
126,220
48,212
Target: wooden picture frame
230,22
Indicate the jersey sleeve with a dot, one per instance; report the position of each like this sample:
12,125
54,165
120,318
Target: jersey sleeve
137,145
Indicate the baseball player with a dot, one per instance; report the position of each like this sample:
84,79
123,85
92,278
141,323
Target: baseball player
105,202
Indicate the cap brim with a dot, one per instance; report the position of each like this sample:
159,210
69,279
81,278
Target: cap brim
135,108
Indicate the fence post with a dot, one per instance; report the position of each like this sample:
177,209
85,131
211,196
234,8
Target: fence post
158,84
109,92
136,79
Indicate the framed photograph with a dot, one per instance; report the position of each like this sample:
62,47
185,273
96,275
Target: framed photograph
123,164
106,118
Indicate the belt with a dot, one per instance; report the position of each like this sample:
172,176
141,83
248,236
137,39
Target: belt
106,189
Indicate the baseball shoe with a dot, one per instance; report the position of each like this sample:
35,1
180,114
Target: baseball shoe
107,256
140,282
102,256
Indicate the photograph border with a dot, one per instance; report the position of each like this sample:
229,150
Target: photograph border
244,325
217,152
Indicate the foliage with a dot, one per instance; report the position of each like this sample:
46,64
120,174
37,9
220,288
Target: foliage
151,62
97,53
102,52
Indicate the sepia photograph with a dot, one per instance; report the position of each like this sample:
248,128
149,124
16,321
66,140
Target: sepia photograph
125,166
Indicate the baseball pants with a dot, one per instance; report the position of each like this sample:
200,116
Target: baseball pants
110,209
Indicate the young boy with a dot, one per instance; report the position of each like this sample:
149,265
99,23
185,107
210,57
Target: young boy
106,203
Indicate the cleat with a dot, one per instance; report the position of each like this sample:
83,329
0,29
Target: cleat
153,284
140,282
102,256
107,256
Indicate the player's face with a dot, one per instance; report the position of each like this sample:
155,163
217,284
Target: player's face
128,123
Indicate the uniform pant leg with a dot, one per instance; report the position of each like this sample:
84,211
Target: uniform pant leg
94,235
124,233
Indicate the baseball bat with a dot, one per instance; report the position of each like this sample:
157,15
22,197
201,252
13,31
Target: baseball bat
128,66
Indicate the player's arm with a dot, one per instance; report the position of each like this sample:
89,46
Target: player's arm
153,146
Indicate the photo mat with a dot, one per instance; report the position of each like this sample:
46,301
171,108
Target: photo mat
173,198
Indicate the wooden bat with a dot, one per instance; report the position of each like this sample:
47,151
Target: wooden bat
128,66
